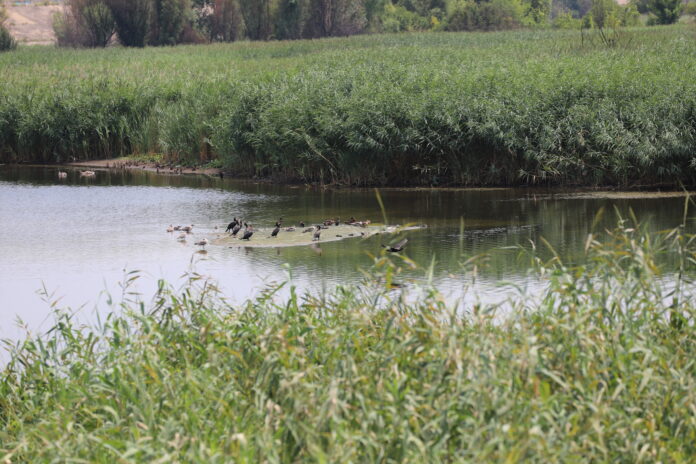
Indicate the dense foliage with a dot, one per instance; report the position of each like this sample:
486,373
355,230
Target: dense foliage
468,108
167,22
601,368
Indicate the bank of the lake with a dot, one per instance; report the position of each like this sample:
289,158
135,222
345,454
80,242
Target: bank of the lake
504,108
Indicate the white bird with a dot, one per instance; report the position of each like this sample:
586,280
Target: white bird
62,175
202,243
87,173
187,229
182,237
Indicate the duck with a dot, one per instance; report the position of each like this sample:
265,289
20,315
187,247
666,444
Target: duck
62,175
248,233
202,243
396,248
317,234
87,173
289,229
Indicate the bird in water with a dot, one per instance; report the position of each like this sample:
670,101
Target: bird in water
170,228
187,229
396,248
289,229
232,225
236,229
317,234
62,175
276,230
182,237
202,243
248,233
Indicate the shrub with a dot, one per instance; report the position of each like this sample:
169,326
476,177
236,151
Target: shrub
487,15
665,11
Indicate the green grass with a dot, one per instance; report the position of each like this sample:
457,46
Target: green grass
601,368
520,107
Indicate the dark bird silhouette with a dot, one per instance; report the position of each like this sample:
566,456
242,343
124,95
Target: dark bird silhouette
398,247
337,221
248,233
276,230
231,225
302,224
236,229
317,234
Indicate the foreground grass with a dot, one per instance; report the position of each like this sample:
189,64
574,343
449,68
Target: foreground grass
464,108
601,369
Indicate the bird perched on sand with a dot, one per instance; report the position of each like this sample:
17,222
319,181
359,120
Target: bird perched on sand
182,237
236,229
202,243
232,225
170,228
308,229
276,230
248,233
187,229
317,234
396,248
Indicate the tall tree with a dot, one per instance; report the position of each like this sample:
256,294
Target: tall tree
257,18
290,19
132,19
168,18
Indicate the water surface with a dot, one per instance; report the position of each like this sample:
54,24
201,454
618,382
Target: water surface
77,237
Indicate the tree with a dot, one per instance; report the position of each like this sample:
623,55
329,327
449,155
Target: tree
665,11
257,18
290,19
168,19
132,18
328,18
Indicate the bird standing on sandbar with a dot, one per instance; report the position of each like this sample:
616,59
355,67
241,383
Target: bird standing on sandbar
232,225
317,234
202,243
248,233
276,230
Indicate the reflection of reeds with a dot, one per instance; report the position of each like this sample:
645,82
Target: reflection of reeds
499,108
599,368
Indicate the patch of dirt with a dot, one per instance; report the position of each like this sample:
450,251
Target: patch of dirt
126,163
32,24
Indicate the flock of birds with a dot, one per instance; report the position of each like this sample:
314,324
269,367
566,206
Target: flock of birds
235,227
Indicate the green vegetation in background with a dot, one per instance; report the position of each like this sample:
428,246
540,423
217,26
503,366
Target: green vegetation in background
598,368
519,107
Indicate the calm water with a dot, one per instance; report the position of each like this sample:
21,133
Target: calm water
76,237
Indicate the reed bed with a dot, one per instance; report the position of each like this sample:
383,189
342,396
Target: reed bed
520,107
601,368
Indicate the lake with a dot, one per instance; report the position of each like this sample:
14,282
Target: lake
76,238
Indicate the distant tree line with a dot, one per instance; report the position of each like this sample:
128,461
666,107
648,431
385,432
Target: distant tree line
137,23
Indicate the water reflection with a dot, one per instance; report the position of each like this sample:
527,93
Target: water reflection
78,235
